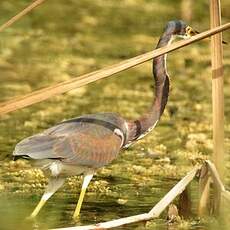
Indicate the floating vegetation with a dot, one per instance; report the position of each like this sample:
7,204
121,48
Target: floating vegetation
46,48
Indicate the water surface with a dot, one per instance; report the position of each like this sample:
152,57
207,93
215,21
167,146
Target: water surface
63,39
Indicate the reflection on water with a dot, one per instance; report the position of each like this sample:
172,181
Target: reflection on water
80,36
96,208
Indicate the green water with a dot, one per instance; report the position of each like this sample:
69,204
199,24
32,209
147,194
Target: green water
64,39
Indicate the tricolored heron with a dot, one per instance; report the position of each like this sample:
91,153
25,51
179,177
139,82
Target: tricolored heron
86,143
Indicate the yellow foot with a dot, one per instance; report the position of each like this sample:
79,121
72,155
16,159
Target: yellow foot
77,220
30,218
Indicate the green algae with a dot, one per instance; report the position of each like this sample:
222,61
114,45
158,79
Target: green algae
82,36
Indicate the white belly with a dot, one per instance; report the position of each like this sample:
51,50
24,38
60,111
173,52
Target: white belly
58,168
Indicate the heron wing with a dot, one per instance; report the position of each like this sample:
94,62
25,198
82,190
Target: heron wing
93,146
37,147
80,141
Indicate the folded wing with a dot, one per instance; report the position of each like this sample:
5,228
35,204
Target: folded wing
81,141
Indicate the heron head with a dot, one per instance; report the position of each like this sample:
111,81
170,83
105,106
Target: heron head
180,29
189,32
185,31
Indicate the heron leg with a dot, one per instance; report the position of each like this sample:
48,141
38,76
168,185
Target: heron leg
53,185
86,180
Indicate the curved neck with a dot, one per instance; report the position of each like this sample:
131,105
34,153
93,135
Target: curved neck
138,128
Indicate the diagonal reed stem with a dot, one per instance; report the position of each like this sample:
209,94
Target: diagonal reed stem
45,93
21,14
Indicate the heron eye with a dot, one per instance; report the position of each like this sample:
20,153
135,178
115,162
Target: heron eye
189,31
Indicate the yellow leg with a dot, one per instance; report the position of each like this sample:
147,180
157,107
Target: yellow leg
54,184
38,208
79,203
85,184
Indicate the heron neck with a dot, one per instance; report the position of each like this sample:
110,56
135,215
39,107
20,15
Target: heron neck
138,128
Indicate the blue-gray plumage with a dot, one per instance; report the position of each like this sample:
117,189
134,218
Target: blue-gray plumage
86,143
90,140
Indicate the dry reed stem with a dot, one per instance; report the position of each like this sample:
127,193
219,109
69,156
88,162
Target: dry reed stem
21,14
45,93
204,190
217,96
217,87
217,180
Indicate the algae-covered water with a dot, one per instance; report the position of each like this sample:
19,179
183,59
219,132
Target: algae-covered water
63,39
